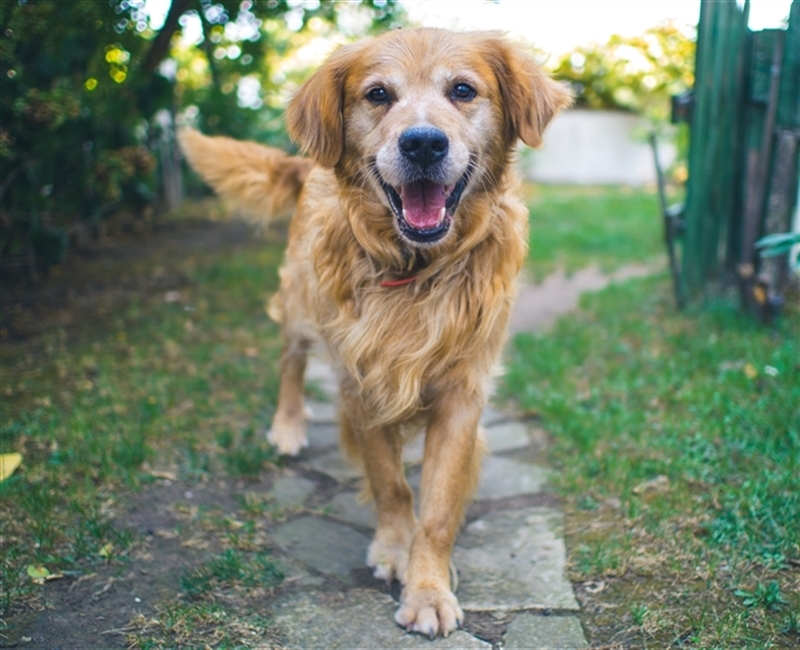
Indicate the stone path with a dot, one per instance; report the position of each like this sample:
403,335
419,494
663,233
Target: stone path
510,554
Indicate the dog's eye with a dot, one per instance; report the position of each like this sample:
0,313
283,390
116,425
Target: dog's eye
378,95
463,92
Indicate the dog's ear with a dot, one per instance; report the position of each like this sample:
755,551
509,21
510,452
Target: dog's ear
530,97
315,115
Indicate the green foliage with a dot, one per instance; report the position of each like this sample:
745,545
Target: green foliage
90,99
767,596
247,458
69,112
638,74
778,244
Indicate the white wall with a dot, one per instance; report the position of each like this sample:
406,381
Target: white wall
589,147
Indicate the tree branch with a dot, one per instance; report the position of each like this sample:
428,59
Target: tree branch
161,43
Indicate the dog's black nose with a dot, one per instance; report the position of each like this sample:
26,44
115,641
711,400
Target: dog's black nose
423,145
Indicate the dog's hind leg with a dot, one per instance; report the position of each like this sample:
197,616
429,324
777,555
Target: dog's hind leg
288,432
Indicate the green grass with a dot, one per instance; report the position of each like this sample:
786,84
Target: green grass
96,408
677,440
229,569
575,227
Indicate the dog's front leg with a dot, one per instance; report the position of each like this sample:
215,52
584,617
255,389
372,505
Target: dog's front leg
450,470
381,451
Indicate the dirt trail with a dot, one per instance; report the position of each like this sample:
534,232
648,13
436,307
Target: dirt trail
539,306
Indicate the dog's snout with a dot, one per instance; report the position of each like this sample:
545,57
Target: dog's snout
423,146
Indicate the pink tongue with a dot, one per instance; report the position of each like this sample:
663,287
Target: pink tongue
422,204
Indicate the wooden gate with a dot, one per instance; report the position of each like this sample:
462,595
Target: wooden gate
743,153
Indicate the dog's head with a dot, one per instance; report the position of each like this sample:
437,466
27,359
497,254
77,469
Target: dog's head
423,118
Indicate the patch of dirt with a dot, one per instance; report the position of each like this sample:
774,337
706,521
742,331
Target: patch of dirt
93,610
89,611
87,290
489,626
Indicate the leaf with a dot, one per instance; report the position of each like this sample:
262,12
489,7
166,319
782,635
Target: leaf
8,463
38,574
107,550
777,249
778,239
777,244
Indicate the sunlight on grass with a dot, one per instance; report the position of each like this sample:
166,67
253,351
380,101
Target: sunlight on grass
574,227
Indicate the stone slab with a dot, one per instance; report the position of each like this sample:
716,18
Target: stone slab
359,618
544,633
328,546
321,373
322,435
291,491
322,412
506,436
344,506
296,573
491,416
503,477
414,450
514,560
335,466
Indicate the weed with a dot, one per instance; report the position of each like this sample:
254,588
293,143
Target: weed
639,613
225,438
199,625
791,624
767,596
247,458
230,568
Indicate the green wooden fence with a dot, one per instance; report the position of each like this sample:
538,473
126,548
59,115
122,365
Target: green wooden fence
743,154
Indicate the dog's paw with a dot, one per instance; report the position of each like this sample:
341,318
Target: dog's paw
429,612
288,437
388,561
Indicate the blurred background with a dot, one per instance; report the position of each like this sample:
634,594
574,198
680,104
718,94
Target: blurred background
93,92
139,370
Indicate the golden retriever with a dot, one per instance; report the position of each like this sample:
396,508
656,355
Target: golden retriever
403,253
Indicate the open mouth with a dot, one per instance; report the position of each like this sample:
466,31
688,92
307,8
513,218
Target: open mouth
424,208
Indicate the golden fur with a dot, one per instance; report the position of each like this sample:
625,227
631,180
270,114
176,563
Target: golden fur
418,355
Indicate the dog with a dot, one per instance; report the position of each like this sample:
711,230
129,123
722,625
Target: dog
404,247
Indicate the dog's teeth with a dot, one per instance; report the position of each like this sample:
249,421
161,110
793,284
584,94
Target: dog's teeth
441,214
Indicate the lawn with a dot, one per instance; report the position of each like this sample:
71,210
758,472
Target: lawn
677,440
149,363
575,227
